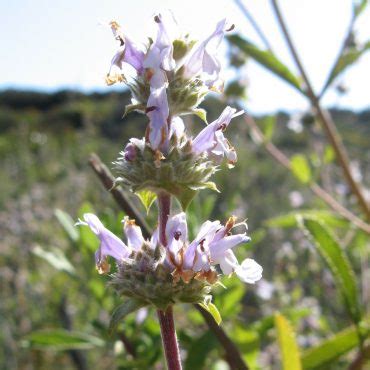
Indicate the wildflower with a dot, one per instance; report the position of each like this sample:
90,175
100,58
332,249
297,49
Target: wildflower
160,55
211,139
203,61
212,246
128,52
110,244
158,112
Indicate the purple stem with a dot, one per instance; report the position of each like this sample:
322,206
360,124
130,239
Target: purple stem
169,339
164,205
166,322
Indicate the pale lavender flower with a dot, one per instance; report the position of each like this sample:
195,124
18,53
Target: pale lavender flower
158,113
160,55
177,127
212,141
203,60
212,246
135,239
128,52
110,244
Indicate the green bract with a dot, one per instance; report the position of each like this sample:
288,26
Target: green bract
180,173
148,281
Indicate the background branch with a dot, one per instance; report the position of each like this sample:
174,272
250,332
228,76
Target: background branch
280,157
254,24
324,117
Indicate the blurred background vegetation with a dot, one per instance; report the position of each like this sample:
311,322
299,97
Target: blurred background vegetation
47,271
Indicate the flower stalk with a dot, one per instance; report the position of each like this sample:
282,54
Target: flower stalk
169,339
165,267
166,321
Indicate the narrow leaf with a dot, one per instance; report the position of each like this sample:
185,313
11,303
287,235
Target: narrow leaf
67,223
267,59
290,219
288,346
201,113
130,305
56,258
212,309
147,197
331,349
269,123
350,56
300,168
337,261
60,340
359,6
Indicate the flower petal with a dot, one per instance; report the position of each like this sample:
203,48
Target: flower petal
110,244
158,113
211,136
204,59
177,127
177,228
133,233
249,271
128,52
228,262
219,247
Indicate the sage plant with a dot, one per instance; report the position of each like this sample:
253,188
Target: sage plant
173,73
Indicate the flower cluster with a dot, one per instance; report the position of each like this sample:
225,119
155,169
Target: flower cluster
181,271
172,75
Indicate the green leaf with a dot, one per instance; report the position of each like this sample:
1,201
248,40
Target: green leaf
268,124
184,195
350,56
290,219
300,168
130,305
267,59
338,263
331,349
147,197
288,346
198,350
212,309
68,224
56,258
61,340
359,7
329,154
201,113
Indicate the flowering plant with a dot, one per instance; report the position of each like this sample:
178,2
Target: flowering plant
172,76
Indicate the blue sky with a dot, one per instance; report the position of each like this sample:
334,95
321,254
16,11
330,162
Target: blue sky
58,44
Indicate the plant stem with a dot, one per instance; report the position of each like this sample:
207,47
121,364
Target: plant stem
169,339
125,203
164,209
324,117
254,24
280,157
166,322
